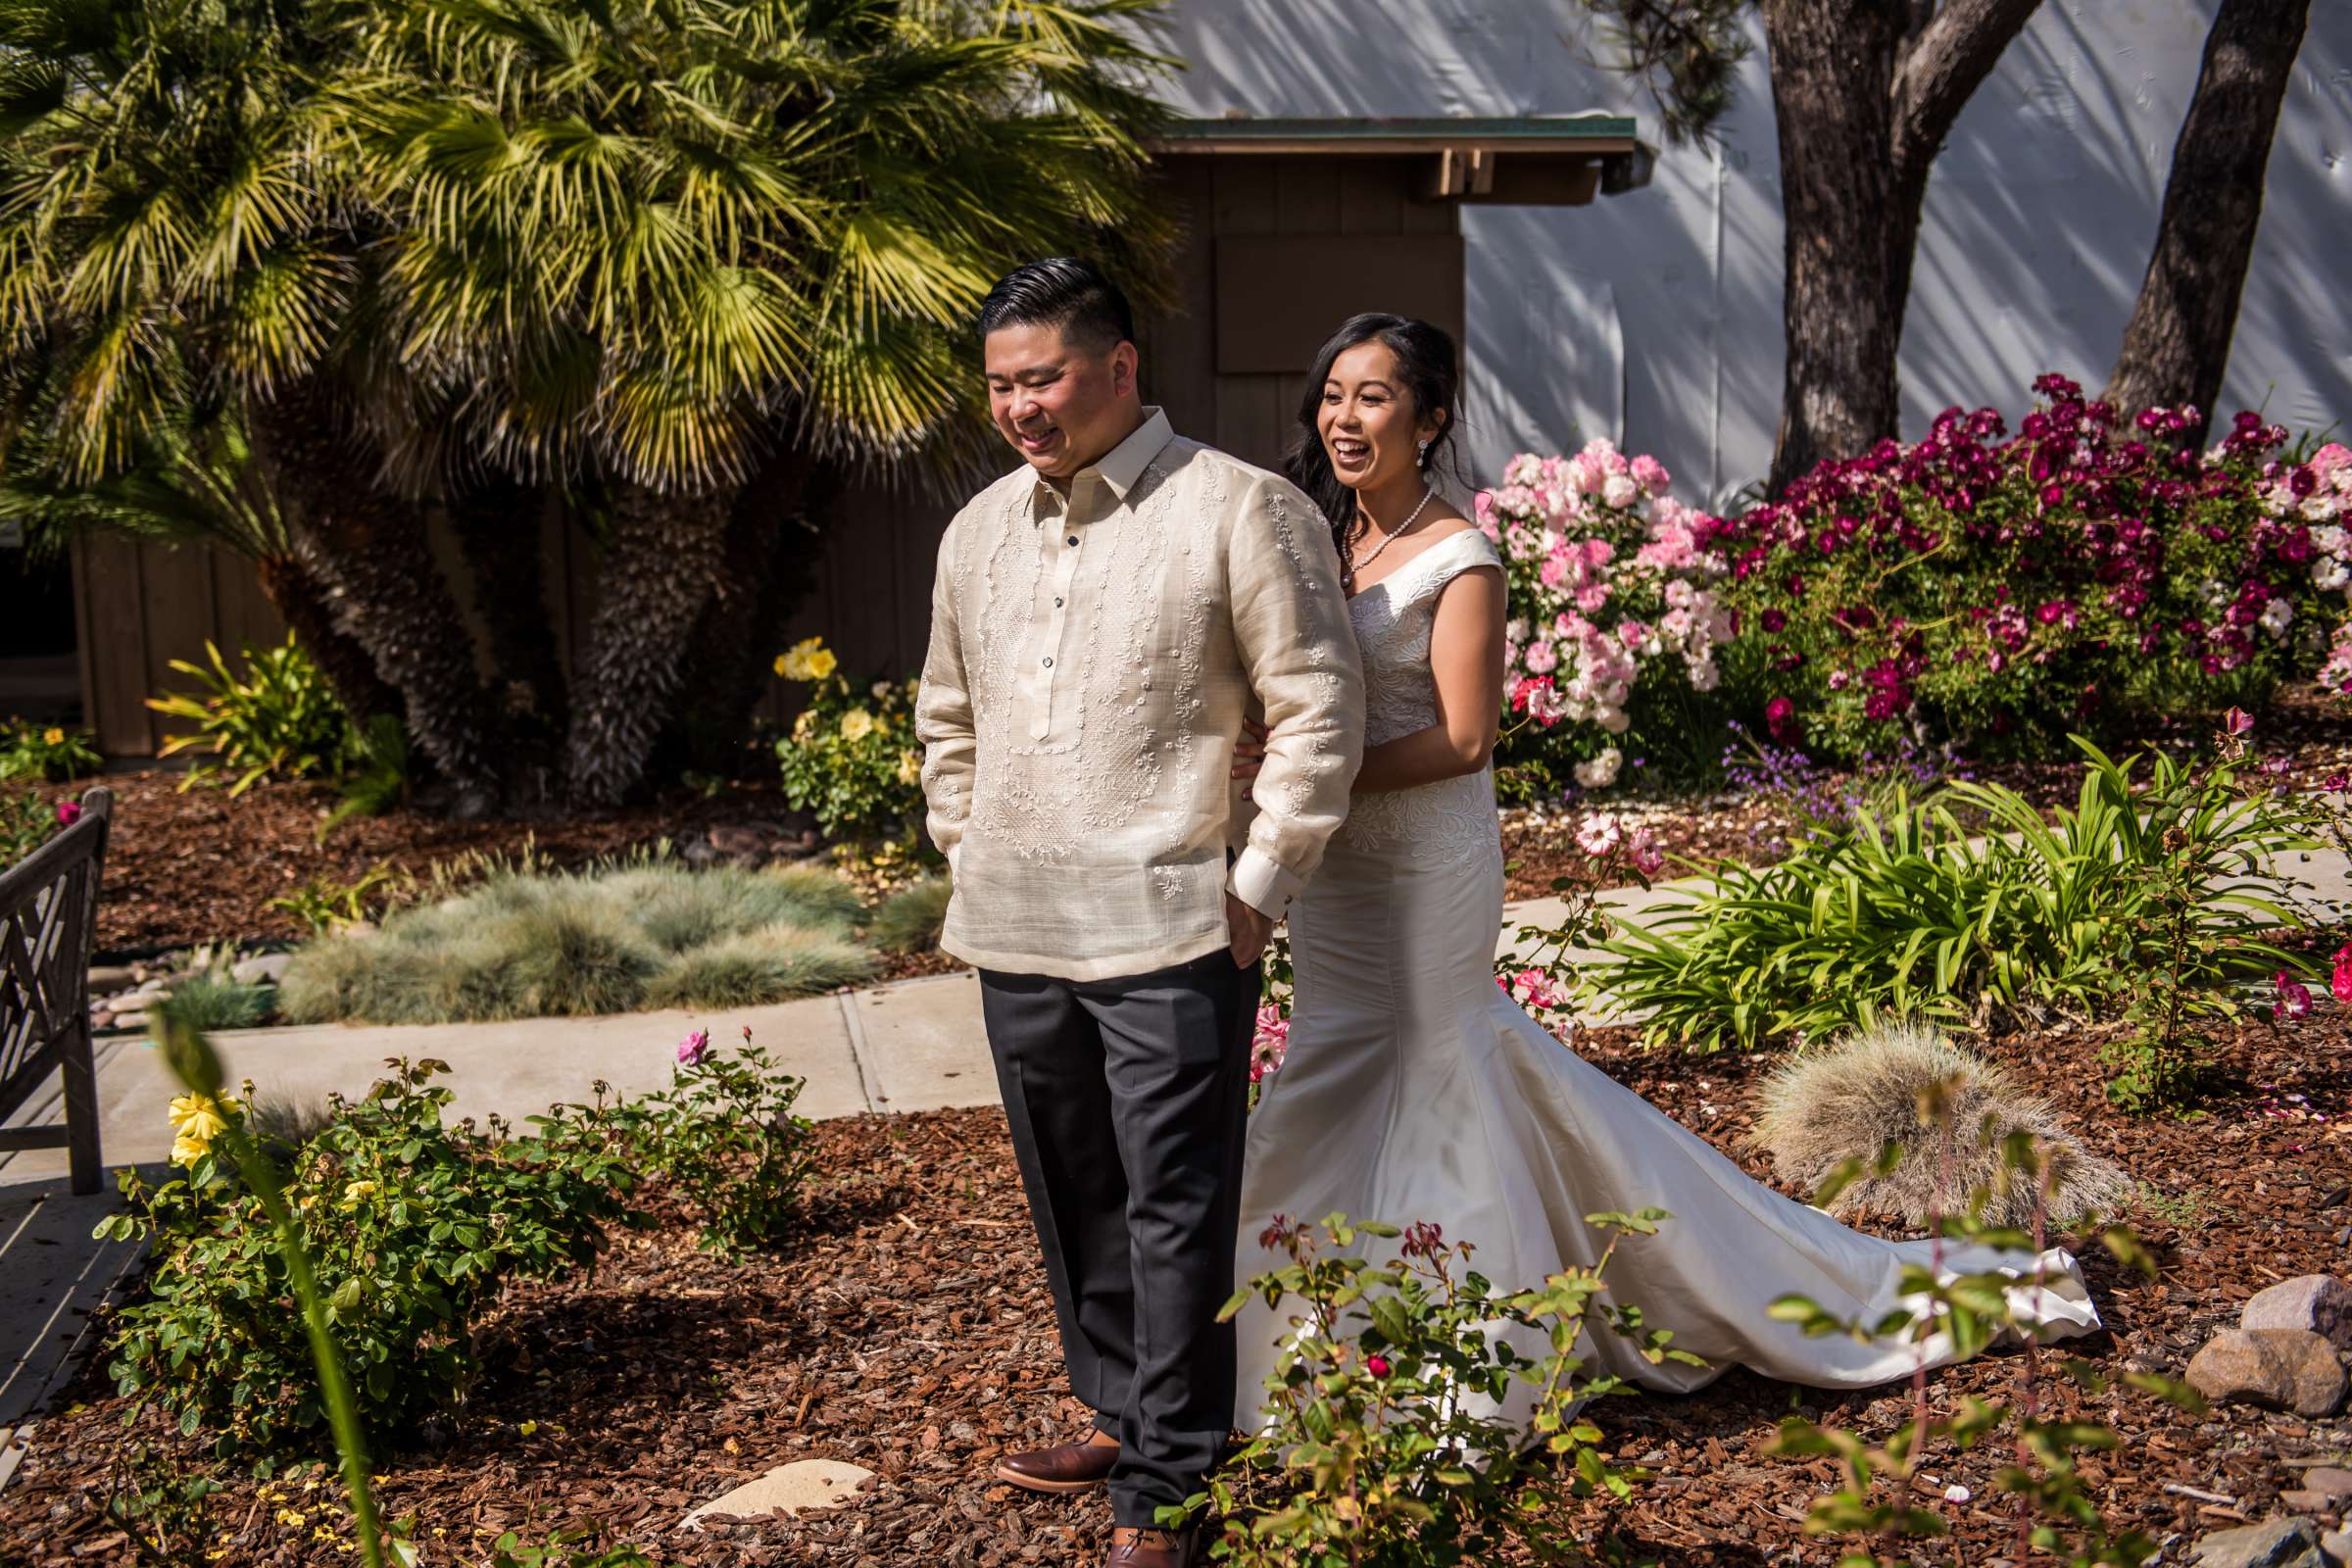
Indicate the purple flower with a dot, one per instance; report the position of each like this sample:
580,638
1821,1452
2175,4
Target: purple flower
694,1047
2294,1001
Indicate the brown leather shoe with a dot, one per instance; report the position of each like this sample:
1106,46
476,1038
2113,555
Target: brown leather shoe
1153,1548
1070,1467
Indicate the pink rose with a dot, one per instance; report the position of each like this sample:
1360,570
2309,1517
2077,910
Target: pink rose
694,1047
2339,985
1650,472
69,812
1377,1365
2294,1001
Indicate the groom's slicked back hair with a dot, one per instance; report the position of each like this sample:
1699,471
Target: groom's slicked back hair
1065,293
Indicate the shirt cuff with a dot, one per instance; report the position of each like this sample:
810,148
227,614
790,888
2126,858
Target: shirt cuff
953,849
1260,881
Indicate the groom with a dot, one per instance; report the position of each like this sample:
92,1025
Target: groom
1103,619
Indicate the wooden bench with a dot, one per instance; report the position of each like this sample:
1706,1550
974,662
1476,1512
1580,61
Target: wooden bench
48,919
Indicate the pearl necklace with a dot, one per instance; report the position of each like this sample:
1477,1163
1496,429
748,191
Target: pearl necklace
1354,566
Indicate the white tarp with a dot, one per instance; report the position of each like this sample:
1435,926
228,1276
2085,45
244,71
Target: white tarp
1654,318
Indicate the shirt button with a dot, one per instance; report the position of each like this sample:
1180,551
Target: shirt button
1073,538
1056,604
1048,662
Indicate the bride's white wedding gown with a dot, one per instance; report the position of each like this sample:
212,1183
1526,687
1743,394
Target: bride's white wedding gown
1415,1089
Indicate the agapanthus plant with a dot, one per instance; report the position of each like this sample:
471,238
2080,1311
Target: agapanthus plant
1612,606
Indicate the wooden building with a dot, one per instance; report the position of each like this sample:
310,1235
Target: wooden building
1291,225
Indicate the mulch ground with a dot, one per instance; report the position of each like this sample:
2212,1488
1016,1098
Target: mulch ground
909,1329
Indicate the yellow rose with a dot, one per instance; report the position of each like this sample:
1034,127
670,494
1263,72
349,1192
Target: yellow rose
53,737
356,1191
910,767
821,664
856,724
804,726
806,660
196,1120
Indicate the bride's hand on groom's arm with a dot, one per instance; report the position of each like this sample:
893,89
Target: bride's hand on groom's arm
1250,752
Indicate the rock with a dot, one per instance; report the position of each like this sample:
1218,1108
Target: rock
2320,1304
2285,1369
152,986
796,1489
109,976
2273,1543
131,1020
2304,1500
700,852
2329,1482
2336,1545
270,966
738,842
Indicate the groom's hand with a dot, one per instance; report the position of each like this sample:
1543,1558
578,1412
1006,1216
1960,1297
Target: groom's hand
1250,752
1249,931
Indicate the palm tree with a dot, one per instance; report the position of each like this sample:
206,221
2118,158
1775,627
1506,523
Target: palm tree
424,249
179,219
666,246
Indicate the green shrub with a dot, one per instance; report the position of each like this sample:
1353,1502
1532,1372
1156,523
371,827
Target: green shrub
2002,592
1380,1441
278,721
722,1136
851,757
45,751
325,903
412,1227
25,823
1909,915
910,919
212,1001
519,945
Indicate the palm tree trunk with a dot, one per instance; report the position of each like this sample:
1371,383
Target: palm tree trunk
769,550
302,599
497,523
663,564
2177,344
369,548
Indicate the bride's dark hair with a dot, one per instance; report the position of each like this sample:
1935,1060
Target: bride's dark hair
1432,372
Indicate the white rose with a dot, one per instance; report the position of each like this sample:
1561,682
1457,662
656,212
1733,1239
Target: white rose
1614,720
1704,676
1620,491
2276,615
1599,772
2328,575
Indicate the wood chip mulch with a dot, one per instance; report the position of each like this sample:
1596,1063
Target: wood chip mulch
907,1329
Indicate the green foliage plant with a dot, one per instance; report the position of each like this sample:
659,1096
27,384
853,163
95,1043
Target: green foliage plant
851,758
1381,1443
46,751
276,720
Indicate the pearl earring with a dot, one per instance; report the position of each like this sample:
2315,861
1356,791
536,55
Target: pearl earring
1424,456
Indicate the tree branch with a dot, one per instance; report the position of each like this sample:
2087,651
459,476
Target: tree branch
1938,70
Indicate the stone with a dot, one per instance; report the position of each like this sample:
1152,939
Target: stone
797,1487
2320,1304
2285,1369
739,843
2305,1501
270,966
2273,1543
109,976
2329,1482
2336,1546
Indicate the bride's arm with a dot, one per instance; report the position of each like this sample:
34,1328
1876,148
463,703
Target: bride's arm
1465,656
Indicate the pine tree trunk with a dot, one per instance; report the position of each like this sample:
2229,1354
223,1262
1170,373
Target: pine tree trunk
2178,342
497,523
662,562
1832,60
770,551
369,547
301,599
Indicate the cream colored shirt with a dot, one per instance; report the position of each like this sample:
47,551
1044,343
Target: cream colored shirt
1092,656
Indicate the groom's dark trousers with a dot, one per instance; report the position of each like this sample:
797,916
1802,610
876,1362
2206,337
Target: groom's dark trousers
1127,1101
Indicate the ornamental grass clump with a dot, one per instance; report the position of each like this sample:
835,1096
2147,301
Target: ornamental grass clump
521,945
910,919
1848,1102
2003,591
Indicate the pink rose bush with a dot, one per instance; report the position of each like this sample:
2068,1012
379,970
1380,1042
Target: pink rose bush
1272,1039
1999,591
1613,598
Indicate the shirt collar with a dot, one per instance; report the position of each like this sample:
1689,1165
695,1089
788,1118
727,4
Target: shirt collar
1122,466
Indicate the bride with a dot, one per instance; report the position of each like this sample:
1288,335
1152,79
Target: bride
1413,1088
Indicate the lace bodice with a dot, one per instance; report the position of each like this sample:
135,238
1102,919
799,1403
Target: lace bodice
1391,621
